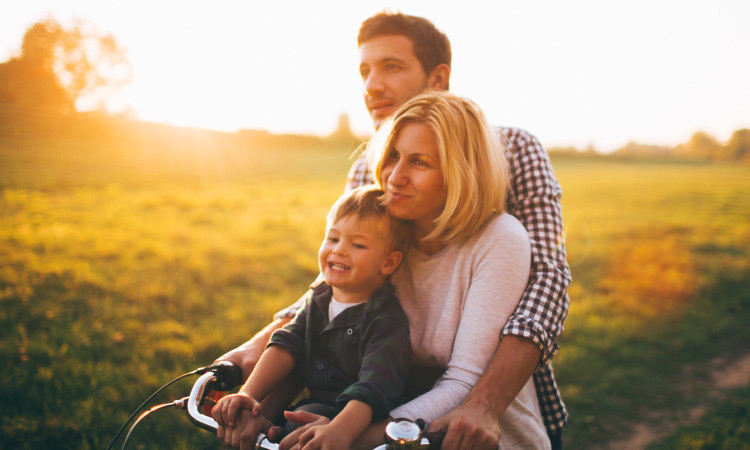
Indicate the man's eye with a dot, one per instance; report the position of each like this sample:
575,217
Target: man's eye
391,67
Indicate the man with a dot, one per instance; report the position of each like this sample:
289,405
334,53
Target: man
401,56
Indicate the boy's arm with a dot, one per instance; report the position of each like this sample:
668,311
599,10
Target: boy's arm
273,368
275,364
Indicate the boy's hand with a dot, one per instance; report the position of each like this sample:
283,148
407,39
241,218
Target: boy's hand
225,411
310,420
239,420
324,437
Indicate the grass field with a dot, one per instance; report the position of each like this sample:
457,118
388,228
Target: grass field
130,254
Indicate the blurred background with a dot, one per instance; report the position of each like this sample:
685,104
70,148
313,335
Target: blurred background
166,169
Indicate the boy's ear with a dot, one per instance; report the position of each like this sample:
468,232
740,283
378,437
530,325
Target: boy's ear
391,262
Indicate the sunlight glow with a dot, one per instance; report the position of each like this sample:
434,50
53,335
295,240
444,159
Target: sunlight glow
573,73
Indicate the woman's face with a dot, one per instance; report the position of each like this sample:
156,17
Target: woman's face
413,178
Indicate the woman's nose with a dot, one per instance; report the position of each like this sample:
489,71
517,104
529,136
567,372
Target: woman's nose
398,175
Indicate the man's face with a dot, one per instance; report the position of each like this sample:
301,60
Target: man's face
391,75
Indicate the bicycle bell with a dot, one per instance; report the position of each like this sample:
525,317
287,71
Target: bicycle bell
403,434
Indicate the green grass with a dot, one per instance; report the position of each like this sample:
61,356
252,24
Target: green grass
727,427
130,254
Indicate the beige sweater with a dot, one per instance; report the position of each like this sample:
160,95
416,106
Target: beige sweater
457,302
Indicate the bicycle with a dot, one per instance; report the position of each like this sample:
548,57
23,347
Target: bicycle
400,434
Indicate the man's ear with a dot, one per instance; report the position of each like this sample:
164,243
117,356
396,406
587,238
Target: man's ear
439,77
391,262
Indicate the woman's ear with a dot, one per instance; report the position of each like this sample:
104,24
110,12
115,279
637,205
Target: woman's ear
439,78
391,262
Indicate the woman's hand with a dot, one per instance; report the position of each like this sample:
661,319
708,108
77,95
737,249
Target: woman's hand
310,420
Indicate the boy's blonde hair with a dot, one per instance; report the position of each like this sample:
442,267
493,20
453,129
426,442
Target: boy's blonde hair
475,170
365,202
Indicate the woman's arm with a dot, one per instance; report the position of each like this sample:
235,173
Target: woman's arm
500,263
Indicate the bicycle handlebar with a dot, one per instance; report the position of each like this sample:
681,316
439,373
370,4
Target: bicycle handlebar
400,434
219,377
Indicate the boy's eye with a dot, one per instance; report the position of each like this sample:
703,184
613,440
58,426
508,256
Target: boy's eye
356,245
333,239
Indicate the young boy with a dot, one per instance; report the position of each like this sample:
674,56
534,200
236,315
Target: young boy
350,343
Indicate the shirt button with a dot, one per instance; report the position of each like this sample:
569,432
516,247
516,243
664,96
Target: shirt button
349,331
320,366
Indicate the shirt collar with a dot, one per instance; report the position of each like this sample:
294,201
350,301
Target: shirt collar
322,293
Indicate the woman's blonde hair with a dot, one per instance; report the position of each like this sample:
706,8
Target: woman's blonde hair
472,158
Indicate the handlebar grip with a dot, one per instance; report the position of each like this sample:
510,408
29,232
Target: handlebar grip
227,375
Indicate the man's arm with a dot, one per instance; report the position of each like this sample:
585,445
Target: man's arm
478,418
247,355
535,200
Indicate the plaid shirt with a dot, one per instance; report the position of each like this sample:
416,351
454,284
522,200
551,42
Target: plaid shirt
362,354
534,200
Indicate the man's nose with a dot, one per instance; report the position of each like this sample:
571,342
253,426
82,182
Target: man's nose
373,83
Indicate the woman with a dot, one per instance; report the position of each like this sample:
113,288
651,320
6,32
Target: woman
441,167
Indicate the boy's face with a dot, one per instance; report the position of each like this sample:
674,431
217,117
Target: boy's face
354,258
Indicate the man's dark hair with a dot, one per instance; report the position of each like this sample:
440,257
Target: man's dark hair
431,46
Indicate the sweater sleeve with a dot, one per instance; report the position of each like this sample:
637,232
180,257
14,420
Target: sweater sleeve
500,270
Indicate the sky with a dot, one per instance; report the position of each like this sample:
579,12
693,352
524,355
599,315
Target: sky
574,73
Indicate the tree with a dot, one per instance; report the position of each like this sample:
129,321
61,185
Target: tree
738,147
702,146
60,69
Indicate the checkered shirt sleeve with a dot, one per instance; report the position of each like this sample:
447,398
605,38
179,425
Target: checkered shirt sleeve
535,201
